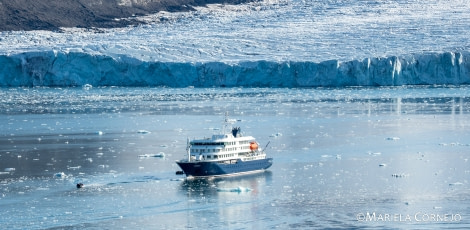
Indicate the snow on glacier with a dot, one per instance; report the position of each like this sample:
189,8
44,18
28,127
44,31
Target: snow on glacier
271,43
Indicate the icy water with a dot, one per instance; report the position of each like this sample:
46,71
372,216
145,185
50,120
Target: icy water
382,158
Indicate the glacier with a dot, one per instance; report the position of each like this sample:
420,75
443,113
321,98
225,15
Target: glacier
271,43
77,69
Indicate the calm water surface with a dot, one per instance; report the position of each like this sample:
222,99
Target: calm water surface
382,158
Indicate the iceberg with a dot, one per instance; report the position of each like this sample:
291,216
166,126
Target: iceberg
271,43
63,69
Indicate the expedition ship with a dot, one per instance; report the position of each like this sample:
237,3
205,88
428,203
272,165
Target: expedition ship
224,154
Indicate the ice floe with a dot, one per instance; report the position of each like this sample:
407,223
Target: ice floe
236,189
399,175
142,131
456,184
160,154
60,175
74,167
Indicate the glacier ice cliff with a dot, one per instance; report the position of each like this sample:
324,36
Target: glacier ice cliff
58,68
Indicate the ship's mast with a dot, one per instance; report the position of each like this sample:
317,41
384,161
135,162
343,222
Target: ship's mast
228,124
188,149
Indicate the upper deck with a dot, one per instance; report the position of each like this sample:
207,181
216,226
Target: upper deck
223,147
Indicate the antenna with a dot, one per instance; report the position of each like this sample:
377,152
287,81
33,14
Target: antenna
266,145
188,149
228,122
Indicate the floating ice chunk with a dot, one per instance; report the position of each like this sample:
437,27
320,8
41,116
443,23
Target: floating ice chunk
392,138
276,135
160,154
399,175
142,131
74,167
99,133
456,184
9,169
237,189
60,175
87,87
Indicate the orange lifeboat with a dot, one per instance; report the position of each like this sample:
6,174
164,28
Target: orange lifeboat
253,146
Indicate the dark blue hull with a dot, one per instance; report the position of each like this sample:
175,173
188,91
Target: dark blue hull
207,168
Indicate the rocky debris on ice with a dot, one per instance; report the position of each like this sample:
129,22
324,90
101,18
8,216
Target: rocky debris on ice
52,15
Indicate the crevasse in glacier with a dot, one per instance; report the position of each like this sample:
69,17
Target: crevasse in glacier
52,68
